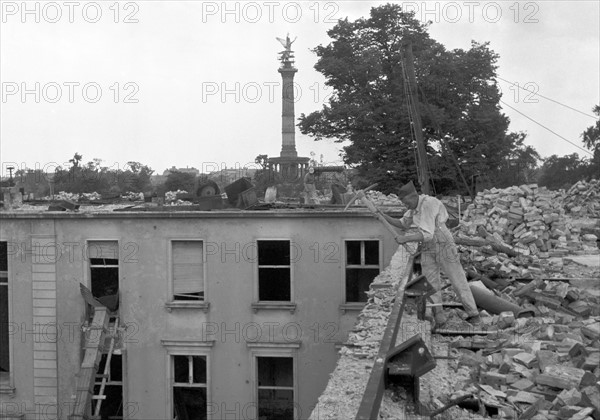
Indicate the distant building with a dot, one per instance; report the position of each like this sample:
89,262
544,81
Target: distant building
185,170
227,176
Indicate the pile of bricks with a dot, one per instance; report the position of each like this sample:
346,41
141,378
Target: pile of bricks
528,220
546,367
583,199
549,371
380,199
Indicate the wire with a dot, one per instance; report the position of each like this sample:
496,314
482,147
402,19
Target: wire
543,126
545,97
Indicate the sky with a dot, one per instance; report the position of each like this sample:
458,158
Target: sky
195,84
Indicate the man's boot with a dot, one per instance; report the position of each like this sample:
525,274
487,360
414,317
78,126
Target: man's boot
439,318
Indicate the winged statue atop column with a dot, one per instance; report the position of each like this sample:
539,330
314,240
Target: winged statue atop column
287,54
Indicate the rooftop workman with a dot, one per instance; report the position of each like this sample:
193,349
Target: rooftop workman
310,190
438,251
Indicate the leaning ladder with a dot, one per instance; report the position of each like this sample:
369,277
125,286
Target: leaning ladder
113,328
95,338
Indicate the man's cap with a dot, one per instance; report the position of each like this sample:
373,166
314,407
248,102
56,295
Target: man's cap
406,189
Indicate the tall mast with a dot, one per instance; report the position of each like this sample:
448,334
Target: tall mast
422,166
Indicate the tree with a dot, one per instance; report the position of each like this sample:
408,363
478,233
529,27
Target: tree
519,165
591,136
262,160
135,178
94,177
591,140
561,172
369,106
76,159
265,177
180,181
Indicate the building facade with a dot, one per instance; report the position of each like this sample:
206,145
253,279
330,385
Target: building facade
230,314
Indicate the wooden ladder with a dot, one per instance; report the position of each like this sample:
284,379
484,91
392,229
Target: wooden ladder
113,331
96,336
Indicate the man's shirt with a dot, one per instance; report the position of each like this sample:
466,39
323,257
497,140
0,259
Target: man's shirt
429,214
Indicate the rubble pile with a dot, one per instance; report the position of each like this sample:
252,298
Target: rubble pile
527,219
132,196
63,195
583,199
544,366
547,369
380,199
172,198
520,228
365,339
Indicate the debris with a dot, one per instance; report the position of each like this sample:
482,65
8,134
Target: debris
565,377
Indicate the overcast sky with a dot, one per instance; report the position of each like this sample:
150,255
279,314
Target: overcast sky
190,83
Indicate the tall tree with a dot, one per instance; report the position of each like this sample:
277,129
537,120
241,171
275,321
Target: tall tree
591,136
562,172
180,181
591,140
459,99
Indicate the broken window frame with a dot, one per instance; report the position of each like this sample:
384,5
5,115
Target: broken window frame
273,349
91,265
350,304
269,304
202,298
190,384
185,348
258,387
6,378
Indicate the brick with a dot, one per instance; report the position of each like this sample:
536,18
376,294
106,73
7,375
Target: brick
525,359
592,331
43,268
45,355
493,378
565,377
45,373
43,277
591,362
43,312
44,303
570,397
523,384
525,397
51,382
44,294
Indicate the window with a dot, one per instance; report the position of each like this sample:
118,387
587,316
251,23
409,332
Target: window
275,376
362,266
274,271
4,318
112,406
104,272
187,270
189,387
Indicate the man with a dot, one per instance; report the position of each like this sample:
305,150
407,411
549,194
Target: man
429,216
310,190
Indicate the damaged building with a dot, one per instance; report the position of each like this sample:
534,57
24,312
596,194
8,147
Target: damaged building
204,314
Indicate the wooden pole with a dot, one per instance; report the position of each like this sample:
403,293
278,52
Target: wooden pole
418,126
